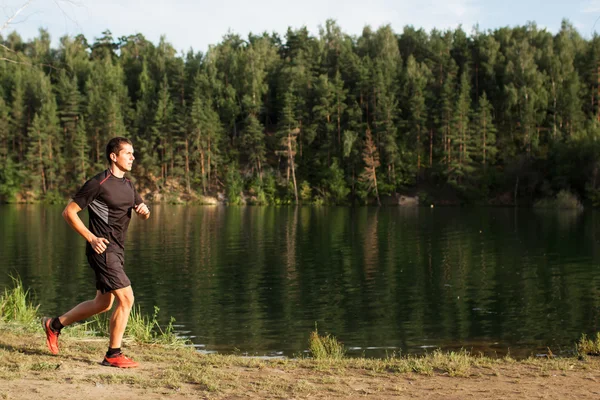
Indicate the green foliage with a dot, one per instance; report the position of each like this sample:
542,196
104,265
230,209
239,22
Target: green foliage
258,192
336,184
585,346
253,143
10,181
234,185
564,200
288,107
144,329
16,306
325,347
53,197
593,195
305,192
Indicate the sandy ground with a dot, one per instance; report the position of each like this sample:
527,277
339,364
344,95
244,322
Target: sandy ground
28,371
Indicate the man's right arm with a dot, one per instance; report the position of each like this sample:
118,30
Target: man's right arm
70,215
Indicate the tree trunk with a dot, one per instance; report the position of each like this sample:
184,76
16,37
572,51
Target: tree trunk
209,166
484,139
202,171
41,161
187,166
418,153
430,148
291,162
259,170
376,190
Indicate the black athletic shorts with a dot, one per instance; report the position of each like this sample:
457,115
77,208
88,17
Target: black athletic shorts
108,267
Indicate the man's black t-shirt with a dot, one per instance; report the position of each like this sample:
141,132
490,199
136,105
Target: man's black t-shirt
110,201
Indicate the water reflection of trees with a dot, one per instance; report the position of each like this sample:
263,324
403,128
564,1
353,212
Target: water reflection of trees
258,278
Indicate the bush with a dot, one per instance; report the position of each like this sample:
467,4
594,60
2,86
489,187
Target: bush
587,346
234,184
325,347
336,184
305,192
10,182
564,200
54,197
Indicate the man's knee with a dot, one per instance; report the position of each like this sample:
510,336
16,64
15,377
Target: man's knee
125,297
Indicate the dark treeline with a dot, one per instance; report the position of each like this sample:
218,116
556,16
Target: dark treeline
503,116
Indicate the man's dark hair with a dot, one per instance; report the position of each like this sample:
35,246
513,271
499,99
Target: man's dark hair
114,146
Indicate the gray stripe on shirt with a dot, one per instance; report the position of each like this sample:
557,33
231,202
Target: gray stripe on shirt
101,209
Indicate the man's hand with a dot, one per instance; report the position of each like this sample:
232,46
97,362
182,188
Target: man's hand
99,244
142,210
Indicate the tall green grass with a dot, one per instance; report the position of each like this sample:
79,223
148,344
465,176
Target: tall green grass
325,347
15,305
98,325
145,329
587,346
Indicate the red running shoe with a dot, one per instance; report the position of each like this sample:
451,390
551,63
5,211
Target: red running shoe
119,361
51,336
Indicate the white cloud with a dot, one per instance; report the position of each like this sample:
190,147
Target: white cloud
591,6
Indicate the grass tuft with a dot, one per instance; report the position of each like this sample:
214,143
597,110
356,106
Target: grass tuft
97,325
15,305
144,329
588,347
325,347
454,363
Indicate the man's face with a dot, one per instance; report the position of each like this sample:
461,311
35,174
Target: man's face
124,160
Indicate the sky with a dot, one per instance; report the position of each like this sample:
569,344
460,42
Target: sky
196,25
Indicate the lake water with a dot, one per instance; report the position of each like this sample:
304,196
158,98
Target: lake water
256,280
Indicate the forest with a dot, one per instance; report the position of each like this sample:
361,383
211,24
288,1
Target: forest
509,116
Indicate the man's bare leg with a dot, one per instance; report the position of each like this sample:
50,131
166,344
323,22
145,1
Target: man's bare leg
53,326
102,303
118,321
119,318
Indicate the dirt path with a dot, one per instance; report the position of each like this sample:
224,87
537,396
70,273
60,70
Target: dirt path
28,371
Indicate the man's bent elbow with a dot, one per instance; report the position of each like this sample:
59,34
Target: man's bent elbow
70,211
65,213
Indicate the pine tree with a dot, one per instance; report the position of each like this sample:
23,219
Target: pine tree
288,139
484,131
416,83
324,111
81,157
371,160
35,155
4,131
460,140
162,129
253,144
206,136
445,118
68,105
17,116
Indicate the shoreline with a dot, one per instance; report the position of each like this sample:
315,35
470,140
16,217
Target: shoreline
28,370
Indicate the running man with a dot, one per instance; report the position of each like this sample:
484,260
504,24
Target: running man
110,199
